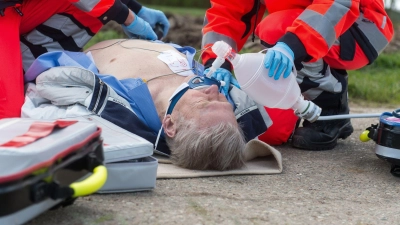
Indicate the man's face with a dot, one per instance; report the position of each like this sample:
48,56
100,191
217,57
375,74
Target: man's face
206,106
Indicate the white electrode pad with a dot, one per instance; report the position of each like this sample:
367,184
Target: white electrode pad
176,62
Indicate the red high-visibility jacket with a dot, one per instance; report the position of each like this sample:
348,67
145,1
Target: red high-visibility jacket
310,34
44,26
311,28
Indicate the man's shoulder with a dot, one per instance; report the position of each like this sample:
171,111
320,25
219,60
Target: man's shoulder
252,117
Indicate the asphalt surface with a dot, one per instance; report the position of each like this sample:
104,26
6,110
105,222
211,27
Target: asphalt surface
347,185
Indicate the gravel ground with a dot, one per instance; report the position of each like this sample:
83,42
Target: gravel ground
347,185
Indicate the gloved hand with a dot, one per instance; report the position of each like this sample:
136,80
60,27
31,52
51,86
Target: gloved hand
222,74
140,28
153,16
278,62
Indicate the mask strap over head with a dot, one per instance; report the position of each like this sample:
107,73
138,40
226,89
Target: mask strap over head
178,93
194,83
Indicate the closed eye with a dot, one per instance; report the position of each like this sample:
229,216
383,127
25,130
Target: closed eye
200,104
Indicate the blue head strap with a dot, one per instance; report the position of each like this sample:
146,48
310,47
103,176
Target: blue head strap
175,99
196,82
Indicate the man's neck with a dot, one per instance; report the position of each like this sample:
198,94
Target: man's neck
162,88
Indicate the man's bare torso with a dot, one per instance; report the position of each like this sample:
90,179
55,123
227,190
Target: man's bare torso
138,59
130,58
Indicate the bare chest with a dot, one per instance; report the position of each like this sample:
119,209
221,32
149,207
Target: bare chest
130,59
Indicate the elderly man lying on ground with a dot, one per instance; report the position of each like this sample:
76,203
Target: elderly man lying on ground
151,89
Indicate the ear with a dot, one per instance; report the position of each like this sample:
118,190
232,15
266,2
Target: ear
169,126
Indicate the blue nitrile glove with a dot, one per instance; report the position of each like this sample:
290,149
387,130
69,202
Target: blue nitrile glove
278,62
222,74
140,28
153,16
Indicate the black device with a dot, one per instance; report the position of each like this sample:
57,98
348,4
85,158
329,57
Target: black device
159,30
386,135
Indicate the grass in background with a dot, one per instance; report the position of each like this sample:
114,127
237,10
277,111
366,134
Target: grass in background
378,82
394,16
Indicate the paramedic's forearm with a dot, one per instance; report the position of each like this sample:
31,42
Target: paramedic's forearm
130,18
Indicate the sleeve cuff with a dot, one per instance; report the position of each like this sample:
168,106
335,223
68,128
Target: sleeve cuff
133,5
226,65
118,12
300,53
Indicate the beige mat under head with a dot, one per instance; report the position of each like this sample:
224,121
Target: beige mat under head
261,158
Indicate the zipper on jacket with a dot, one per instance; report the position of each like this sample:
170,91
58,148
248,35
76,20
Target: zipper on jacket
255,21
98,96
101,109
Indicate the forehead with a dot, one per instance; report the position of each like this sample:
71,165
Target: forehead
204,100
198,83
208,118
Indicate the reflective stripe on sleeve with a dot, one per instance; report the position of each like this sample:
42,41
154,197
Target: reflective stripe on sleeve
58,33
325,24
69,28
372,32
60,27
212,37
86,5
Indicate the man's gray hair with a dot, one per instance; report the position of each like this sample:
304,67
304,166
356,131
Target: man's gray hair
218,147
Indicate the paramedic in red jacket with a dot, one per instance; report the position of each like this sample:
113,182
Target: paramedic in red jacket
322,39
30,28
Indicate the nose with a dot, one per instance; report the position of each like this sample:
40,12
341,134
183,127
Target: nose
212,91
